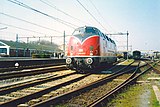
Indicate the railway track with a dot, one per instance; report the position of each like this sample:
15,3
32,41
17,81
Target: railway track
99,91
72,93
9,92
3,70
156,66
5,89
35,94
59,89
28,72
20,64
102,101
96,96
11,97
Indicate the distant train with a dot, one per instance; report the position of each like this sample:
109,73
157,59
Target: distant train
20,52
136,54
88,47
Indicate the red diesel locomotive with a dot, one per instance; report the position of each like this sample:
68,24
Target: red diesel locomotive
88,47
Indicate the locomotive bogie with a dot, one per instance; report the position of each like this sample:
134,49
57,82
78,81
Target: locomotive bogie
82,62
85,63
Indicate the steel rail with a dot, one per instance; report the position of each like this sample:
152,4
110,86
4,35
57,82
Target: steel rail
100,102
30,84
27,67
154,68
66,96
30,72
15,102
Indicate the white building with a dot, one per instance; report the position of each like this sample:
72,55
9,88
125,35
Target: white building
4,49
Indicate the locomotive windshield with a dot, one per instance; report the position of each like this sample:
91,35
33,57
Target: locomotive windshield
79,31
84,32
90,30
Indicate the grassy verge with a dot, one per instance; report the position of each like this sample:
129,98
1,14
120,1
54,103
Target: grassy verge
139,95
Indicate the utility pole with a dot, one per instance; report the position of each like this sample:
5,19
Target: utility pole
16,45
39,39
27,40
3,28
51,39
127,40
122,34
64,43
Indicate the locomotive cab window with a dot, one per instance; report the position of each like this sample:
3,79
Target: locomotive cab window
79,31
90,30
84,32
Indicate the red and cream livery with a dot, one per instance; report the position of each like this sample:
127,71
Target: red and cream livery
88,47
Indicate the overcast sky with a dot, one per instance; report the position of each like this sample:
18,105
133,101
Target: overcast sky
141,18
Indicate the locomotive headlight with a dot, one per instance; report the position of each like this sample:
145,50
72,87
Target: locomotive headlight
68,60
91,53
89,60
91,50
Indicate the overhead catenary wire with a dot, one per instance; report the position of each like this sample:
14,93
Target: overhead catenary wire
53,6
31,35
22,28
43,13
30,22
91,15
100,14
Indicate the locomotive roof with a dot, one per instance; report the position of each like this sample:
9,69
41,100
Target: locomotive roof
87,27
104,35
90,26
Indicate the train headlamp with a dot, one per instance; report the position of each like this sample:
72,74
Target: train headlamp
89,60
68,60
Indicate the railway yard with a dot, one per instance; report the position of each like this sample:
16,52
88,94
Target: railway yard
79,53
127,83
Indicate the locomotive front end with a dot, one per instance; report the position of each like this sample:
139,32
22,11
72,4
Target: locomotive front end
83,49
